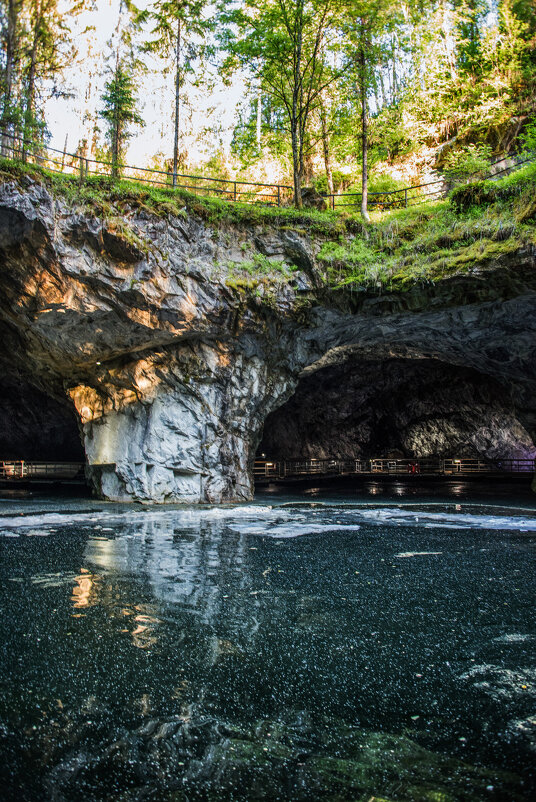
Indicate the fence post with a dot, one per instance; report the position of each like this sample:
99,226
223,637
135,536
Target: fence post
82,162
235,190
278,195
333,201
406,197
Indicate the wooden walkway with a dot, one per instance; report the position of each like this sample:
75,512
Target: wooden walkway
23,471
267,470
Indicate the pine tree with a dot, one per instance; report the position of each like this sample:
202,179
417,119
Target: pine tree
120,111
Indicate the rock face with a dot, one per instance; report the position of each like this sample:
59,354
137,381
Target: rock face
410,408
173,351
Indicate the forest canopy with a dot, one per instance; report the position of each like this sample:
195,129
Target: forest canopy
338,95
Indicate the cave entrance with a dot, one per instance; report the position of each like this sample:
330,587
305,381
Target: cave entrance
399,408
36,428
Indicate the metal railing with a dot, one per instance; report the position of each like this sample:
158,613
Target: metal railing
22,469
15,147
451,466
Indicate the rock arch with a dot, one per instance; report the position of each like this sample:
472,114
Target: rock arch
173,366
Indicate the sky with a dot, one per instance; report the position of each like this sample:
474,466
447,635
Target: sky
67,118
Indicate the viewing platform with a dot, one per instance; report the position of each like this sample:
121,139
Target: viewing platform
21,471
279,470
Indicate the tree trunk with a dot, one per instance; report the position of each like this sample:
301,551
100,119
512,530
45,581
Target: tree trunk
177,105
364,136
259,117
11,35
116,144
385,101
296,161
325,147
395,82
297,139
30,91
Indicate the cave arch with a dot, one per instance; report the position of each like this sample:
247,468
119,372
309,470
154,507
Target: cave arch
35,426
358,407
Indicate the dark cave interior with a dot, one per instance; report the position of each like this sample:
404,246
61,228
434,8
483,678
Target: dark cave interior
35,426
400,408
355,408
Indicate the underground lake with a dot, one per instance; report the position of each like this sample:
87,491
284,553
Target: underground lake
341,644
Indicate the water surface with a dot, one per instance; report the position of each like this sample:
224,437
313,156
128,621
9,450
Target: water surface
315,646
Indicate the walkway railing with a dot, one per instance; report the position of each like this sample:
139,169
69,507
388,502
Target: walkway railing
280,469
15,147
21,469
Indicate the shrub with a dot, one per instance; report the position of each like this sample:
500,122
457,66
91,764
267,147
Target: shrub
475,194
471,161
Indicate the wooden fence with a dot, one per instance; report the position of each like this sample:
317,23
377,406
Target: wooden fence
58,161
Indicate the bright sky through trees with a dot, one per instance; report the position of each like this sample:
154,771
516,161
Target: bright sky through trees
86,78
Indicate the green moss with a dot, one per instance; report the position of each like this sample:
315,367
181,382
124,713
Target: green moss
104,196
241,284
521,183
481,223
122,232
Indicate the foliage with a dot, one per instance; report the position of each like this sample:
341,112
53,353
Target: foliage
36,46
483,223
482,193
283,44
528,137
120,111
468,161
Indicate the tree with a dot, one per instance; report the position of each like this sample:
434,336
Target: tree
37,46
176,24
283,44
470,16
45,58
120,112
366,32
11,36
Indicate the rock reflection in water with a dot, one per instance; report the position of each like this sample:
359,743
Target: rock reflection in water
183,566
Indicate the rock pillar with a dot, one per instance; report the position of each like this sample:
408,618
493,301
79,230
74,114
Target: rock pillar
172,436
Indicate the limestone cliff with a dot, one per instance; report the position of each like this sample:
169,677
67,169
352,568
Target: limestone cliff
174,337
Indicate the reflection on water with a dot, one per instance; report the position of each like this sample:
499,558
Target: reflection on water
85,590
294,652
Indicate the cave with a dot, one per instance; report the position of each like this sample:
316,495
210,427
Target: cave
35,426
399,408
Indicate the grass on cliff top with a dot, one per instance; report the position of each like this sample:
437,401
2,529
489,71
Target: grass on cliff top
107,198
479,224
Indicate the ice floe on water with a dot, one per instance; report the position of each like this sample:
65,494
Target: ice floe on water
515,637
280,521
502,684
292,529
396,516
31,522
